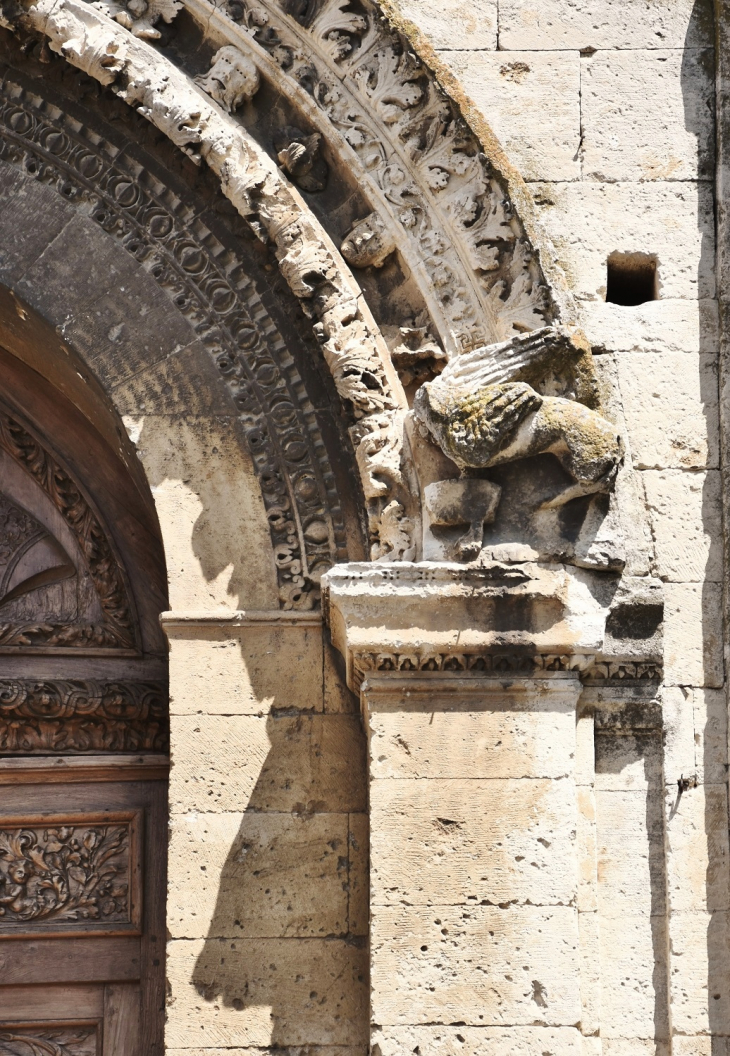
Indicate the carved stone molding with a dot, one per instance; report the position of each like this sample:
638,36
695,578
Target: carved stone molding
352,345
429,181
305,519
75,717
117,631
521,620
592,670
63,875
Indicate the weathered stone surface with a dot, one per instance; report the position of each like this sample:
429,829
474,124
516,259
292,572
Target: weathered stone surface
510,91
509,739
480,1041
261,992
693,635
466,25
612,24
590,972
710,735
290,1050
671,406
686,518
633,974
337,697
680,748
698,857
211,513
459,842
630,854
667,325
251,669
699,978
589,221
358,903
628,762
258,875
479,965
301,763
619,91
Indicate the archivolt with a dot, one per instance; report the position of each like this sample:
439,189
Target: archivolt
434,194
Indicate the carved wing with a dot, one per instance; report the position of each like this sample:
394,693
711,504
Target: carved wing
520,359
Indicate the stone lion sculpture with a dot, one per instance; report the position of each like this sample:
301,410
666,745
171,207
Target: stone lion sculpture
483,411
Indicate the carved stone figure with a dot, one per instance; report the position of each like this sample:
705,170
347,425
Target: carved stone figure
140,16
232,79
299,155
483,411
368,243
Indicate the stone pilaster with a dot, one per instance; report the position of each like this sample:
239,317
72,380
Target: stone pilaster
482,850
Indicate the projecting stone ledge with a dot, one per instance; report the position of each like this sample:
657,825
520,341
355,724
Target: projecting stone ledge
491,616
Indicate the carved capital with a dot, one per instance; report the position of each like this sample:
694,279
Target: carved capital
432,616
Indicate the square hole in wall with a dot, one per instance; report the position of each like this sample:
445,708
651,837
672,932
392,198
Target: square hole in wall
631,278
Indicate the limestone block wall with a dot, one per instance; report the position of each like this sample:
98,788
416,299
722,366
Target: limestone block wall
607,108
267,904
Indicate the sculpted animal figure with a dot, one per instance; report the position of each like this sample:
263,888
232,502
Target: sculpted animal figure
483,411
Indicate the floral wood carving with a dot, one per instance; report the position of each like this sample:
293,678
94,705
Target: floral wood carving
117,629
44,1041
74,717
65,873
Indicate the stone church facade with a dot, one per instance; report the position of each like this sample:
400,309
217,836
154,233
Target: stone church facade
363,444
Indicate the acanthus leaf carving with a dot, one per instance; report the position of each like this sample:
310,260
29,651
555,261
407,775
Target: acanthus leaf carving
64,873
138,213
368,243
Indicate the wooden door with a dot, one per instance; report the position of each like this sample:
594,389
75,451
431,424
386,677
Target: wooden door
83,760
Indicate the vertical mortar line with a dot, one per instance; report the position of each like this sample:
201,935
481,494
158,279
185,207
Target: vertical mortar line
580,115
667,894
587,902
723,374
498,48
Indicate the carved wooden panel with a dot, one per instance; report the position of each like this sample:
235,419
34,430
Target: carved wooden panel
70,875
55,717
49,1040
93,611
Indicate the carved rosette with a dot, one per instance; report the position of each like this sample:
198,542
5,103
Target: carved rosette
76,717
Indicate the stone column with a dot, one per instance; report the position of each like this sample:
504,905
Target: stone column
469,684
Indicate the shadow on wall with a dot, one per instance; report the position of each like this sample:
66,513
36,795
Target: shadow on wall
698,878
200,476
275,805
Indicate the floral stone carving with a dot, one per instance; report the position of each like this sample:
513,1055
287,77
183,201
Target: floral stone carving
65,873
